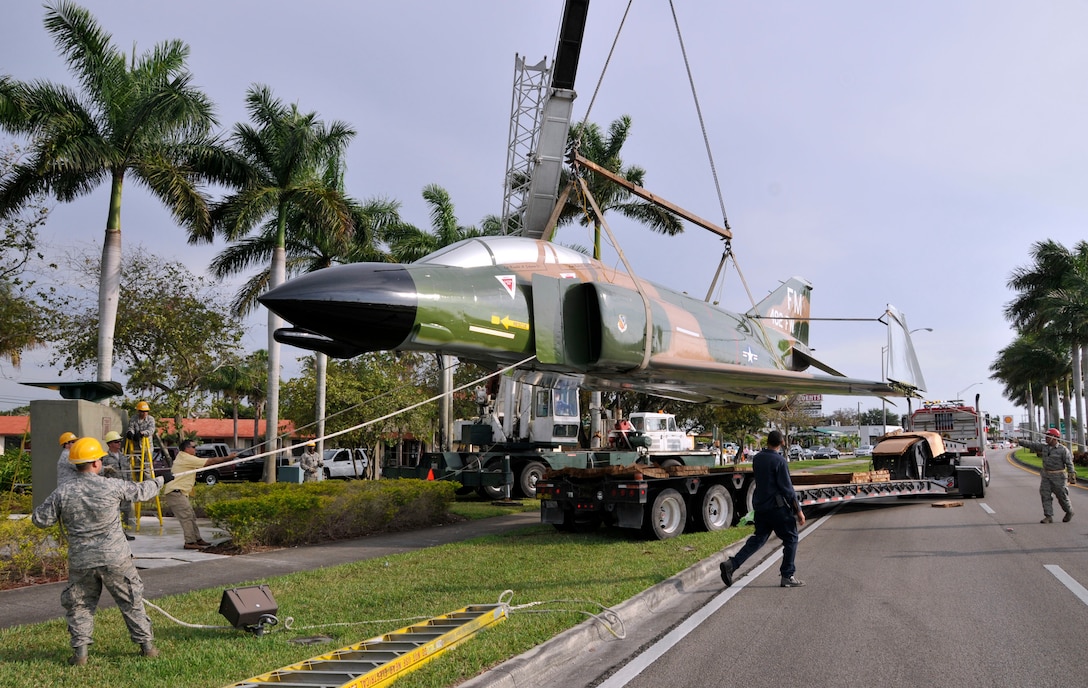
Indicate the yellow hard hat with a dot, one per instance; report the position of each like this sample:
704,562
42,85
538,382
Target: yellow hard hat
67,437
143,406
85,450
112,436
311,444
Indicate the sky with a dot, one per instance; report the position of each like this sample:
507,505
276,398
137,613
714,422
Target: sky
904,153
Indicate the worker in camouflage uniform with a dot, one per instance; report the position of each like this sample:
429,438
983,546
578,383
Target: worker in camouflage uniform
116,465
143,425
310,462
88,507
65,470
1057,464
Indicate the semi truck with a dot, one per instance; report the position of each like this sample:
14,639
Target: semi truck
663,502
953,420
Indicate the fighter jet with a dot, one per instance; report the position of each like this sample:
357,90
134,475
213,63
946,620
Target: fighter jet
495,301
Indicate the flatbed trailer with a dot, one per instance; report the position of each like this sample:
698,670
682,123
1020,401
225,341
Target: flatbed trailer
514,470
691,499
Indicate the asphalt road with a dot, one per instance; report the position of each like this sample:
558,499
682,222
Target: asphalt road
899,593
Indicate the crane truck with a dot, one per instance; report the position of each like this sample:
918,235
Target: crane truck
523,431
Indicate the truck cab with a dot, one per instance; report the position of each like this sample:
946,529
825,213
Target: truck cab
662,430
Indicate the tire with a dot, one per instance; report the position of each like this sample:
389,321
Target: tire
667,515
667,463
211,478
527,479
491,493
986,473
328,475
716,509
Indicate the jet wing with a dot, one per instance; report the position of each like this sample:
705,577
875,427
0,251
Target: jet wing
728,383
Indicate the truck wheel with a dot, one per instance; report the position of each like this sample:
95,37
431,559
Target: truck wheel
211,478
717,509
667,515
747,499
530,474
492,492
986,473
669,463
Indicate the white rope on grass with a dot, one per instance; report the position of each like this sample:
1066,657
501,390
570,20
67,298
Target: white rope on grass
607,617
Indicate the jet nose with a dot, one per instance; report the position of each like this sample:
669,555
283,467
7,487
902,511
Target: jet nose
371,306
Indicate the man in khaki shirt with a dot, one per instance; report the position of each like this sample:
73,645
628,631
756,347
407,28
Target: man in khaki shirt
176,493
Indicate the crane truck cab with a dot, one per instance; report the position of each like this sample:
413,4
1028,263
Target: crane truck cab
662,430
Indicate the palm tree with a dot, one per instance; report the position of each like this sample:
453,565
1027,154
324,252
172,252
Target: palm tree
307,249
288,154
140,118
586,138
1053,302
408,243
1028,366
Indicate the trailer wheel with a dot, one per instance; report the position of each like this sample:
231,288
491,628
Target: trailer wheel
717,509
667,516
669,463
530,474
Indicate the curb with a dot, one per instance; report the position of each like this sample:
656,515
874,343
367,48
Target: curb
537,667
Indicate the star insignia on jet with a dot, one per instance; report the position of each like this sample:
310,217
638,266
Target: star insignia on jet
749,355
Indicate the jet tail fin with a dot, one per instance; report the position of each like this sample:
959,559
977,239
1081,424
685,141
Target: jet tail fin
902,368
786,309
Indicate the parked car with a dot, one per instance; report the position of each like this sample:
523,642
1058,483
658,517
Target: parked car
864,450
798,453
345,463
245,471
823,452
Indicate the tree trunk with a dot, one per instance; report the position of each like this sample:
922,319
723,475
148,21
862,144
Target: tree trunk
272,412
109,292
321,363
1078,393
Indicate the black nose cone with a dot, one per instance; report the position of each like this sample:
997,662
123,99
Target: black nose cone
371,306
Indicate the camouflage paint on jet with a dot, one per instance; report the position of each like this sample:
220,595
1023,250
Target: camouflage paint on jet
497,300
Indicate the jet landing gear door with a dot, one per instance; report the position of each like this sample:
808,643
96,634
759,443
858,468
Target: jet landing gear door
560,325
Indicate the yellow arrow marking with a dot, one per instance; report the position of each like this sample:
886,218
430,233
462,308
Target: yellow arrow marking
506,322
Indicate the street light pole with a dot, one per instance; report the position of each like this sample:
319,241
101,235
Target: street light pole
959,394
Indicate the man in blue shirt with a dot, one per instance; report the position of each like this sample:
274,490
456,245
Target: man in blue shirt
776,510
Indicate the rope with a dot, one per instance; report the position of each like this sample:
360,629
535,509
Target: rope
607,616
699,113
376,420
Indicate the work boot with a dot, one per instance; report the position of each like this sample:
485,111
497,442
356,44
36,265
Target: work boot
1047,519
79,656
727,568
791,582
149,650
1068,517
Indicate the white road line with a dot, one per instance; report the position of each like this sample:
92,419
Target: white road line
1068,581
654,652
986,508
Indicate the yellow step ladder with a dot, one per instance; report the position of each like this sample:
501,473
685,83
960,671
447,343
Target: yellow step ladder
382,660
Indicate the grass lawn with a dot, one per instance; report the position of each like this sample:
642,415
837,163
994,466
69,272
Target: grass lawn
354,602
1029,458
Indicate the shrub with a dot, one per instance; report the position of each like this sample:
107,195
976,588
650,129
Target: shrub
14,468
29,554
287,514
16,503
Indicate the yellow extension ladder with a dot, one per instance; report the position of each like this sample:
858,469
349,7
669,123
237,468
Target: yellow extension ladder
382,660
142,465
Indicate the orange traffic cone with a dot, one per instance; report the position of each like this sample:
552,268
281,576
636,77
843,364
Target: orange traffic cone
430,474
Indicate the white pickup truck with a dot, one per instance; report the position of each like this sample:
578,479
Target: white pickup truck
345,463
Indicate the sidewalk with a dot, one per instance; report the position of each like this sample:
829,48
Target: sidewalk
168,569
